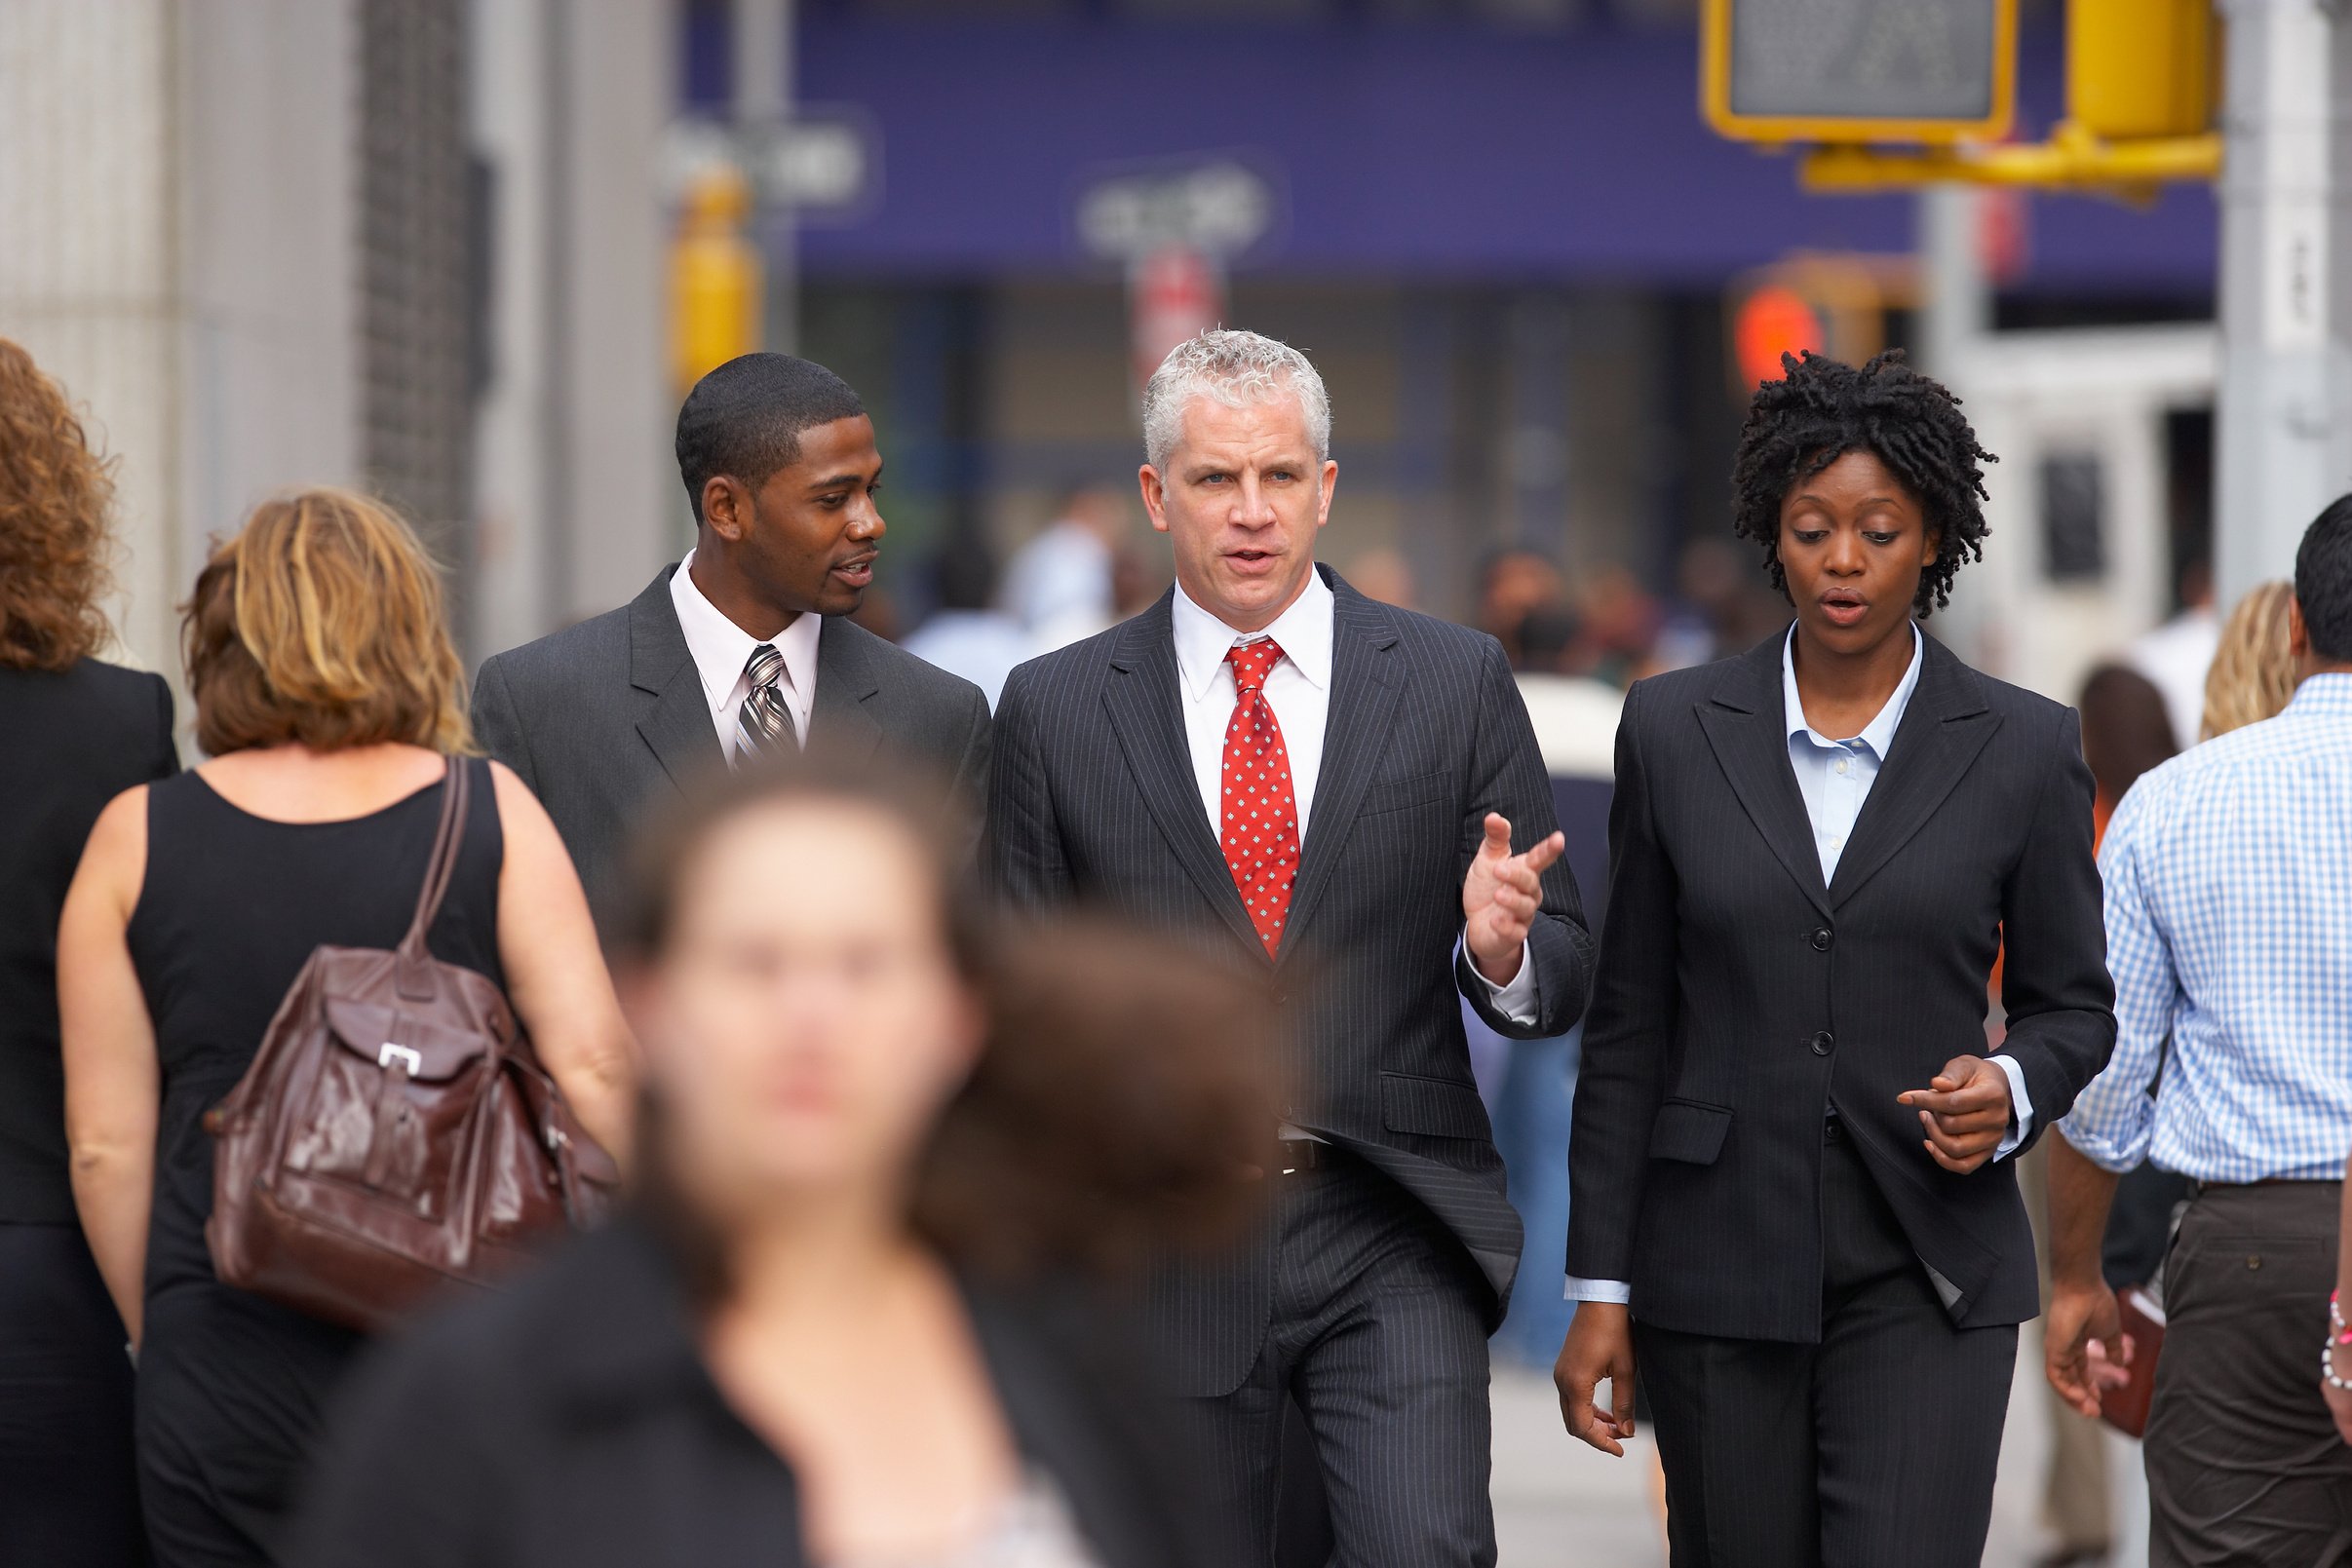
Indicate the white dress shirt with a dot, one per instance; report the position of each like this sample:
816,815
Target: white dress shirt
1835,777
721,650
1299,690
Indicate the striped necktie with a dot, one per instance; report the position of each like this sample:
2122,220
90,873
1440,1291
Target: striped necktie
765,724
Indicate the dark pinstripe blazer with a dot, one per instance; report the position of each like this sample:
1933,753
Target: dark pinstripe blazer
1739,998
1092,800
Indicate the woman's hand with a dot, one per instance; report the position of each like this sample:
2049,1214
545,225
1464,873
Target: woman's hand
1965,1112
1599,1345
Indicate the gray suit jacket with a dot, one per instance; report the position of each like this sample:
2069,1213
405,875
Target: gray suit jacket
1093,801
605,717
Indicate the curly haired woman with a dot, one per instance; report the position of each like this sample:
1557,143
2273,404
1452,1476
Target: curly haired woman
74,732
1795,1210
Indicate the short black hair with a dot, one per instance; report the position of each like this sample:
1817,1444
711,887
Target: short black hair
1822,409
745,418
2323,581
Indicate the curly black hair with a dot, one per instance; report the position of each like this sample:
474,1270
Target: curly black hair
1822,409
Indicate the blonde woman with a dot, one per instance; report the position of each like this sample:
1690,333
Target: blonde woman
74,732
327,696
2254,672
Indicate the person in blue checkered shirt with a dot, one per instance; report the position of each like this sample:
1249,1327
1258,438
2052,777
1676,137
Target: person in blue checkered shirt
2229,875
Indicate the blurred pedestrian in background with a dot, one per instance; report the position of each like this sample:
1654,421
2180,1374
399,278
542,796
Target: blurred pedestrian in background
327,696
1513,582
1062,585
745,645
850,1322
1795,1212
2255,670
1529,1085
967,636
74,733
1325,792
2177,655
2230,938
2126,732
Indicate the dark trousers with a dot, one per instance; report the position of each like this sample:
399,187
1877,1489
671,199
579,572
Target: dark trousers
1875,1446
2244,1462
68,1484
1377,1333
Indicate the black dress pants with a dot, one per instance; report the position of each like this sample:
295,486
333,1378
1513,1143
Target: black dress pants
1378,1335
1875,1446
68,1483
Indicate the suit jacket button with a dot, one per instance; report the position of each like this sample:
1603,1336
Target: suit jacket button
1821,939
1824,1043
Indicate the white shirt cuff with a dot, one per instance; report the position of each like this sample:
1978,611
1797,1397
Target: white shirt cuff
1613,1290
1517,1000
2021,1106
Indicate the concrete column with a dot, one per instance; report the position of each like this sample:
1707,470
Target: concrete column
175,180
2276,468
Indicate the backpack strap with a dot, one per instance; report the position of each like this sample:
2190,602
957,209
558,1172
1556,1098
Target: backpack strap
415,968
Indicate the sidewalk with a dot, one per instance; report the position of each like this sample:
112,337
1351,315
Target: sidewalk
1561,1505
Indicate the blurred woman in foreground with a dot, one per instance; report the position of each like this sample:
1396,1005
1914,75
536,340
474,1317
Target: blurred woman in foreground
2255,673
838,1329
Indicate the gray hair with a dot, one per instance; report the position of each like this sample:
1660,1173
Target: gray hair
1235,368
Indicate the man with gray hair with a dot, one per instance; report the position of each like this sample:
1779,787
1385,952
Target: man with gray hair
1344,799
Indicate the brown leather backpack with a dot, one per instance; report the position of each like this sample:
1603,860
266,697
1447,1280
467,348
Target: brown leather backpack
394,1133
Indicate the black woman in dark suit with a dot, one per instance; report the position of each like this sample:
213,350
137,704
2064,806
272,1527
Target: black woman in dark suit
1795,1210
74,733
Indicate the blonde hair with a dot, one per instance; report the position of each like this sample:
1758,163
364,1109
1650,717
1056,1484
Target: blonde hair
2254,672
322,623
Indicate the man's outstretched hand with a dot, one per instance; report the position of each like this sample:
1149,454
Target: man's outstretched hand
1965,1112
1500,897
1599,1345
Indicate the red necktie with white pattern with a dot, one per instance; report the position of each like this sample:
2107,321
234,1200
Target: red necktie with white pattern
1259,824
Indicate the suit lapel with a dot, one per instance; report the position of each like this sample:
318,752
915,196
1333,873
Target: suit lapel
847,680
672,715
1364,684
1945,726
1140,697
1748,733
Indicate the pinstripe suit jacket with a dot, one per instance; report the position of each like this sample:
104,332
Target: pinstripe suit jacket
1739,998
1093,801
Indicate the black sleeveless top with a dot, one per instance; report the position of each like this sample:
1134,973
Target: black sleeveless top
231,907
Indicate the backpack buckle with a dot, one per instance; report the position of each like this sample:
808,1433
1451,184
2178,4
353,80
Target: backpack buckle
388,1053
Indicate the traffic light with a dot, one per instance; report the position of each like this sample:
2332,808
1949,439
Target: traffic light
715,300
2140,67
1798,70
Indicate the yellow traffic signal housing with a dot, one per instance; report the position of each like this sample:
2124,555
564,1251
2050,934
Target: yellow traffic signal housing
716,282
2140,67
1794,70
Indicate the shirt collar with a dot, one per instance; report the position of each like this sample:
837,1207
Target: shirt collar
2329,694
1879,734
720,648
1304,631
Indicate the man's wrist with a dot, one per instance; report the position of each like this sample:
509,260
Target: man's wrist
1499,970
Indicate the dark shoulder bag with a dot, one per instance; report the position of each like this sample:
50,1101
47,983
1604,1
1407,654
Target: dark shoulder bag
394,1133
